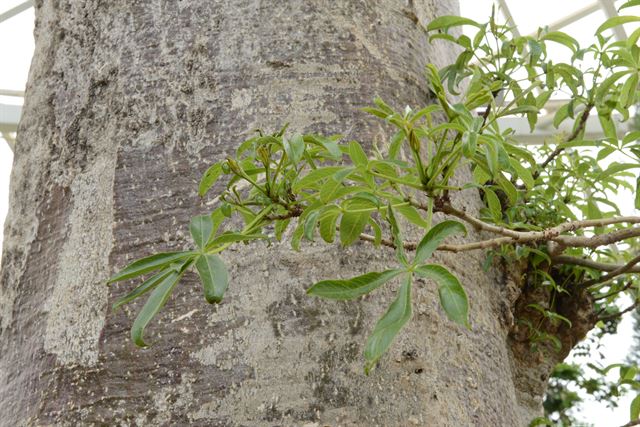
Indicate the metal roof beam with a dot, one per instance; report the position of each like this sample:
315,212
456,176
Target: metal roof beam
16,10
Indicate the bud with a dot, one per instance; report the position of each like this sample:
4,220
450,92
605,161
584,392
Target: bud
414,142
234,166
263,154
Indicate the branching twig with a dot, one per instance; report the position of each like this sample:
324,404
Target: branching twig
617,272
586,262
626,310
610,294
555,153
599,240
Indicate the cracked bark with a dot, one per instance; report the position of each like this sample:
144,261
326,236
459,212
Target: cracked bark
127,104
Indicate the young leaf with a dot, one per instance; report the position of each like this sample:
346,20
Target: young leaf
155,302
294,148
310,224
234,237
327,221
634,409
145,287
351,225
412,215
357,154
453,298
352,288
149,263
493,202
388,326
615,21
444,22
201,227
314,176
435,236
209,178
637,199
397,237
214,277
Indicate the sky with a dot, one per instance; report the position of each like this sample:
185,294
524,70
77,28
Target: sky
16,49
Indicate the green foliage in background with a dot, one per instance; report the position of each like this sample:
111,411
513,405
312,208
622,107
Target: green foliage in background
546,208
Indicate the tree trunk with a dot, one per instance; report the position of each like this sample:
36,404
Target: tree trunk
127,103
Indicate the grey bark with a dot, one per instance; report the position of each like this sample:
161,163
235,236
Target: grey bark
127,104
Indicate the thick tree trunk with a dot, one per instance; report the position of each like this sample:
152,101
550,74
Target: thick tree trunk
127,104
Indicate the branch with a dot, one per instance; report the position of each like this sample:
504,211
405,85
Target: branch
610,294
616,315
632,423
599,240
553,233
555,153
586,262
617,272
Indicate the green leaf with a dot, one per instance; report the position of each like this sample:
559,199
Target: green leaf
357,154
523,173
327,226
314,176
637,200
201,227
155,302
493,203
145,287
411,214
562,38
523,109
388,326
310,224
435,236
234,237
397,237
329,189
630,3
352,288
351,225
628,90
453,298
634,409
294,148
444,22
149,263
615,21
214,277
209,178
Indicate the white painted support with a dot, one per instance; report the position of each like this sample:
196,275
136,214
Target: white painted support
9,116
16,10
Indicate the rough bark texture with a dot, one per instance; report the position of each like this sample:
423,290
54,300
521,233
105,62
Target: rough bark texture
127,104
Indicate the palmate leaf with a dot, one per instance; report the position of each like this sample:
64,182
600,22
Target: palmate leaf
214,277
388,326
453,298
150,263
352,288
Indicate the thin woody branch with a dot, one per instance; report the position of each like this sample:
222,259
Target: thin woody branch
586,262
617,272
577,131
619,314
